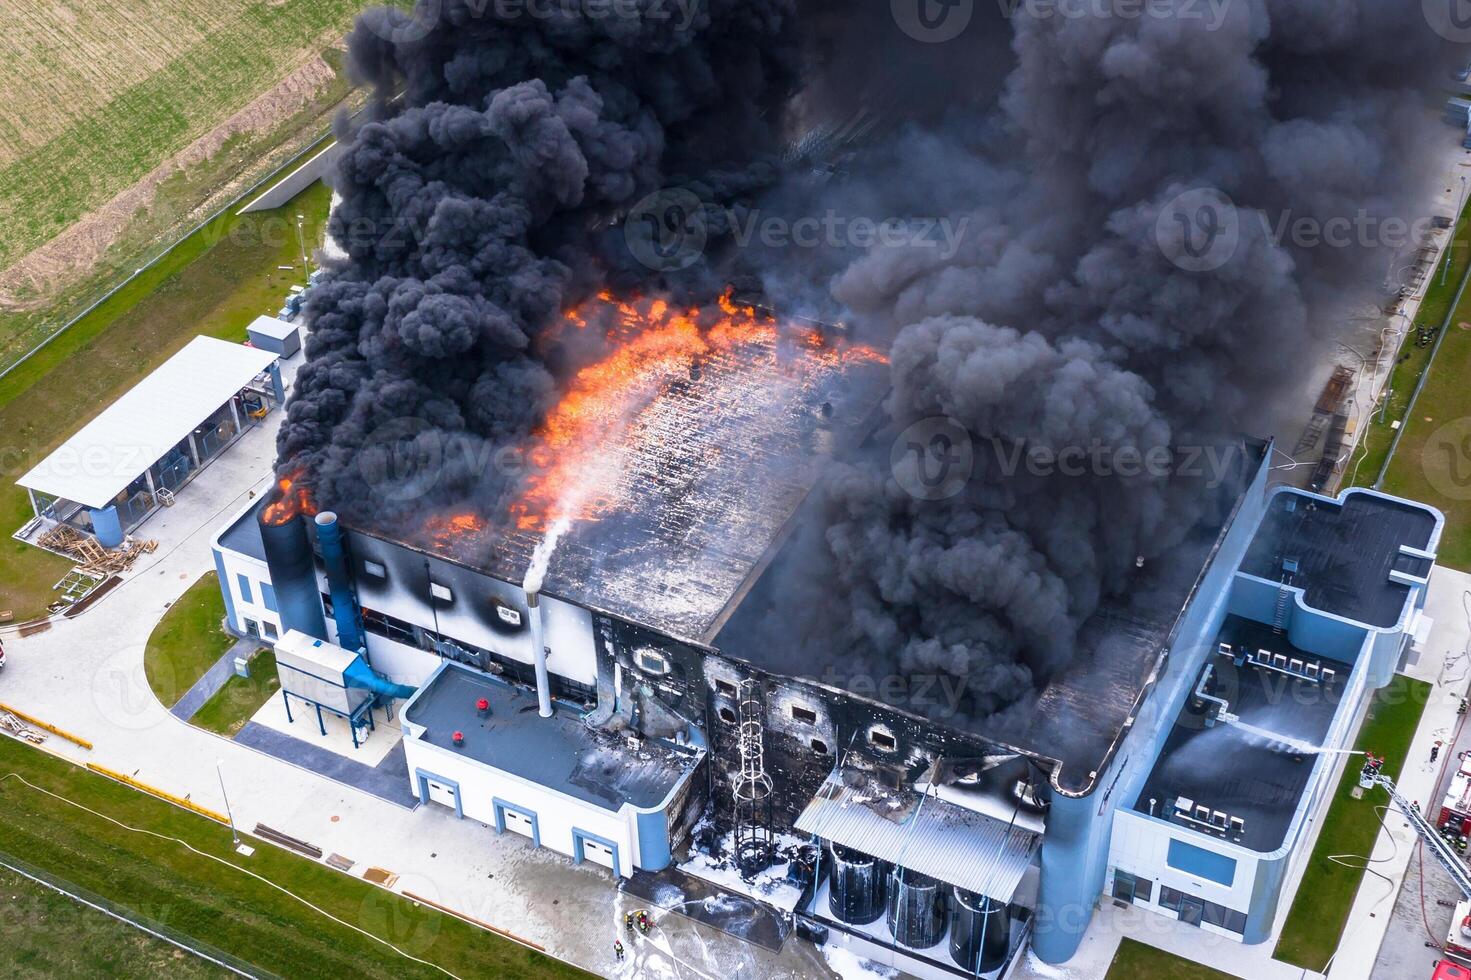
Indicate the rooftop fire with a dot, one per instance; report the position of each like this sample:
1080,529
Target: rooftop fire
671,462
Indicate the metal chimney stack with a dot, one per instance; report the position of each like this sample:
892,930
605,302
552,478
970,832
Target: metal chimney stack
293,575
339,582
539,651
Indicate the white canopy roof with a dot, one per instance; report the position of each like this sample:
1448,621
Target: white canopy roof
134,432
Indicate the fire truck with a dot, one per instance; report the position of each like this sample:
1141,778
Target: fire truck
1458,940
1455,809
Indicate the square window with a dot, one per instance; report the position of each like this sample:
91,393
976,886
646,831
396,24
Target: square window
726,688
374,569
650,662
270,629
803,714
882,739
506,614
441,592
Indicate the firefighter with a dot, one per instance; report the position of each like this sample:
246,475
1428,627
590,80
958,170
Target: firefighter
618,949
644,923
628,921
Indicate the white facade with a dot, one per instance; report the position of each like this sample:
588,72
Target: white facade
515,805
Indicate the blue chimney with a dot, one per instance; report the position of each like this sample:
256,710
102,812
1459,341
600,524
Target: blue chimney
293,574
339,582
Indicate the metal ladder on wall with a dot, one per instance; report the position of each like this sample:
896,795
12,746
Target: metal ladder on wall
1279,615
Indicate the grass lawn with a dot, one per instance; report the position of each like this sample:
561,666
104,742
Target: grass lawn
1137,961
127,121
234,704
1433,461
1363,467
187,641
214,283
44,934
1315,923
198,896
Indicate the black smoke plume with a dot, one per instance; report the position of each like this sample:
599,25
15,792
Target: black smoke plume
1076,313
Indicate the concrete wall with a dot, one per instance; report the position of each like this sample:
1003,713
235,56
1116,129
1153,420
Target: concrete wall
281,192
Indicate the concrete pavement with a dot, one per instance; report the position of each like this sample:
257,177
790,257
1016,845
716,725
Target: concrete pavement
86,676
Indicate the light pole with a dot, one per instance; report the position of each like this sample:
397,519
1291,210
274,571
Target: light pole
301,240
1450,246
220,771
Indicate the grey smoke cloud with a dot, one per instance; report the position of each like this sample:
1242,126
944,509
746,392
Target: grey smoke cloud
1067,314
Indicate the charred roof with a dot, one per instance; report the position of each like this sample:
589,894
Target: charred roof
693,493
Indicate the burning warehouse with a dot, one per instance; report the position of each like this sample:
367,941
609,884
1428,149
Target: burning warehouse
684,588
600,698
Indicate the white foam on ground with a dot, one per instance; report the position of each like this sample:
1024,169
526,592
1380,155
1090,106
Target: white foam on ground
850,966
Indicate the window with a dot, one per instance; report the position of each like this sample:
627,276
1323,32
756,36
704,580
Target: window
268,596
650,662
1131,888
1169,898
803,714
270,629
1201,863
441,592
244,588
881,738
507,615
819,746
374,569
1223,918
726,688
726,715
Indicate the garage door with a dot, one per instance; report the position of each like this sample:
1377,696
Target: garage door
597,853
520,823
440,793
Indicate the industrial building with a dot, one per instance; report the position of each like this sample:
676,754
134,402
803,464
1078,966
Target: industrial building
1173,766
130,460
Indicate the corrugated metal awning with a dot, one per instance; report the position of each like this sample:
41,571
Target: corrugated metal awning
947,842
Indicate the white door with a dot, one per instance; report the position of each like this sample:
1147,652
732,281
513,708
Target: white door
597,853
519,823
440,793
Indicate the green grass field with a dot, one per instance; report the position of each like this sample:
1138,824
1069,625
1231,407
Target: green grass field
1411,361
187,641
1315,922
1137,961
214,283
1433,461
44,934
197,895
234,704
99,95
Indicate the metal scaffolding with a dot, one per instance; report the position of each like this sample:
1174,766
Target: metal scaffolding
752,790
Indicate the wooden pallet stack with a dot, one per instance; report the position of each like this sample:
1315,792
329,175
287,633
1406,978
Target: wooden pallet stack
90,556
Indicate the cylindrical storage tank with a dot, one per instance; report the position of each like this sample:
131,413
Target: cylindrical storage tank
980,931
857,884
916,909
293,574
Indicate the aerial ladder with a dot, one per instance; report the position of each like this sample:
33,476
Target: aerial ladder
1458,940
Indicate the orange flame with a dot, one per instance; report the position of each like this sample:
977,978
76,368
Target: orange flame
290,500
446,529
655,345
